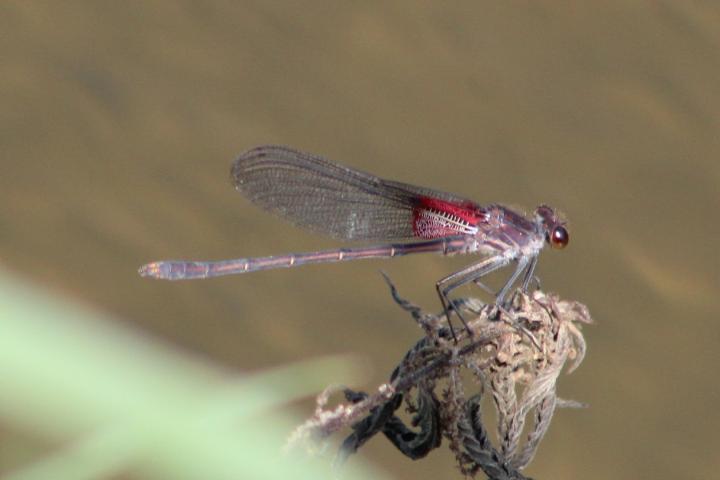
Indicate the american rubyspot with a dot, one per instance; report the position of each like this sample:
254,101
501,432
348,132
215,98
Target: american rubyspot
347,204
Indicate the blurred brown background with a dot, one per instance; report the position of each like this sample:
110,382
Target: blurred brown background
119,120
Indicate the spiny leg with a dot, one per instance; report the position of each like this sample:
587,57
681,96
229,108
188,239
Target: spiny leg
521,265
468,274
484,287
529,275
524,263
536,280
527,278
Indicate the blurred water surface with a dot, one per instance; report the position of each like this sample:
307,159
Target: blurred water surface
119,121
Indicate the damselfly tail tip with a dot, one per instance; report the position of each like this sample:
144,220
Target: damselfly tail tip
159,270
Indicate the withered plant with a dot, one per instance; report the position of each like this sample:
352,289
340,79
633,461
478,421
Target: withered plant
514,353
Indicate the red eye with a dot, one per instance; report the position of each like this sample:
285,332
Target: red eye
559,237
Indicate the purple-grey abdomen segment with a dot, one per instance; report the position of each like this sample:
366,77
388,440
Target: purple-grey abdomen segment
175,270
187,270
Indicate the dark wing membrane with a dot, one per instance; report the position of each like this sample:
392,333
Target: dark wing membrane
325,197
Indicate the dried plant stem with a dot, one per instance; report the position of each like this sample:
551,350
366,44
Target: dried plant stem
516,353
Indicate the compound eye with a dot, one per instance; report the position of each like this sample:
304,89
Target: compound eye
559,237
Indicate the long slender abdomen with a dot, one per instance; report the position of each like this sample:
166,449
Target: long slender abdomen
187,270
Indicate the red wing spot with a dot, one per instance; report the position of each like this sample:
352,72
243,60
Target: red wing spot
429,212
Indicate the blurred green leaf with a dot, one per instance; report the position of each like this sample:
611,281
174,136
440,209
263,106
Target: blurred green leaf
121,402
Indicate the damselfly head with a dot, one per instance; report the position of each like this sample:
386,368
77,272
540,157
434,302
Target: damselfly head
554,228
